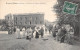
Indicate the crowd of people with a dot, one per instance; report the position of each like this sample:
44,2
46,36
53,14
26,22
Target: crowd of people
63,33
28,32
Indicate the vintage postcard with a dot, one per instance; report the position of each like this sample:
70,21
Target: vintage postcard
39,24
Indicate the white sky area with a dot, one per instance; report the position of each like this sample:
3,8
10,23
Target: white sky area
45,8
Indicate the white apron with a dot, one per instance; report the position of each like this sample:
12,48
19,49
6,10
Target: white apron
23,32
18,33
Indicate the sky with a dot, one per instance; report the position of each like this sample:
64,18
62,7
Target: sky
28,6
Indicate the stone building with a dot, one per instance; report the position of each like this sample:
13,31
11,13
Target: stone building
25,20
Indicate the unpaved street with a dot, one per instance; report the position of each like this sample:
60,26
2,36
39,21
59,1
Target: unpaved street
9,42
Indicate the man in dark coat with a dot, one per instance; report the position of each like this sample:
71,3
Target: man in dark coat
41,32
63,34
37,35
54,31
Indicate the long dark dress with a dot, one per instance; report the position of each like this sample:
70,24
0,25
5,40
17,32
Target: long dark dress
41,32
37,35
63,32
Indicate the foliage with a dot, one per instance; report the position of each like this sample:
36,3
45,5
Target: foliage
4,25
64,18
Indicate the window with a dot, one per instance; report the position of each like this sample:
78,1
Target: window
25,18
31,18
30,22
16,22
25,22
36,18
21,18
16,18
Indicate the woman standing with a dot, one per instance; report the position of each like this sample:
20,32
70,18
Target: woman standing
37,34
18,33
29,34
23,31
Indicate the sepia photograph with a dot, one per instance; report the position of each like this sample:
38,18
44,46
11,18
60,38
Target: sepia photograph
39,25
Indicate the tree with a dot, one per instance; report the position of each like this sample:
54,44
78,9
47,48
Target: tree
64,18
4,25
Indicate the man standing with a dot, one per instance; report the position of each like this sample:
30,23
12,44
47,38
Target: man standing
70,36
41,32
54,31
63,34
